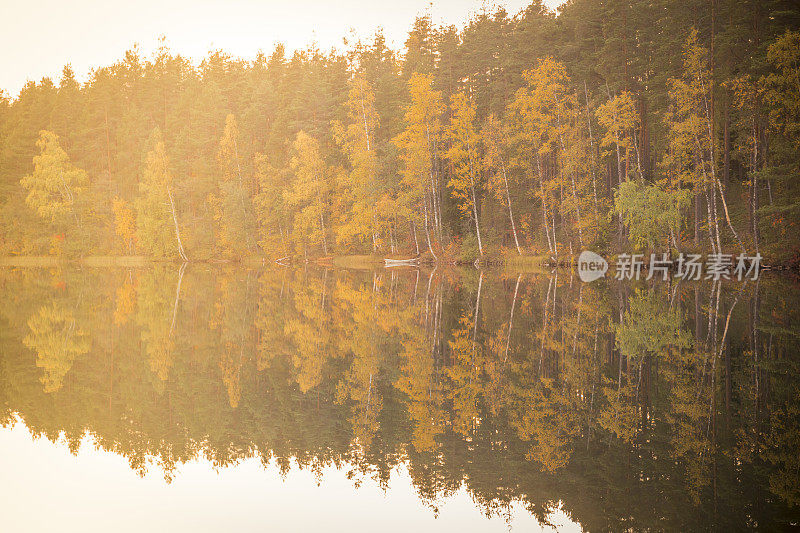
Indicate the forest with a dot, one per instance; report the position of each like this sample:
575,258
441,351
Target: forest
611,125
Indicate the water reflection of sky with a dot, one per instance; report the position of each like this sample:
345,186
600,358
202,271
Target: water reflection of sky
629,406
45,488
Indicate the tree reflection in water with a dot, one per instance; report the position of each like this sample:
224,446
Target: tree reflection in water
645,405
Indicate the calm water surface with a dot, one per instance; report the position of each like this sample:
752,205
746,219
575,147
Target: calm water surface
208,398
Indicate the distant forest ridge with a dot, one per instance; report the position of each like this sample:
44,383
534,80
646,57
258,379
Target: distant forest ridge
658,126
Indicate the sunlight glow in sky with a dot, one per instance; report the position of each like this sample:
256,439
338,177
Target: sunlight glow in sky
38,38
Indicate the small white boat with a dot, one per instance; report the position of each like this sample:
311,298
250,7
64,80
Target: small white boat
414,261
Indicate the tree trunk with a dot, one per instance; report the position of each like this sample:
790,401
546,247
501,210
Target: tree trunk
697,216
428,233
177,230
544,207
510,212
477,310
416,241
511,317
108,145
475,213
177,297
574,194
324,238
726,140
754,189
711,234
709,111
577,211
593,161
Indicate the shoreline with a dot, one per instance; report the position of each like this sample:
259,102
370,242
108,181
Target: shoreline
517,263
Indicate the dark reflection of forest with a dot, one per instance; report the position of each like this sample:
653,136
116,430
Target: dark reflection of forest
657,406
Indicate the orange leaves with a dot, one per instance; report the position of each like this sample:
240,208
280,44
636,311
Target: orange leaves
126,302
423,126
463,151
228,154
124,222
54,183
619,118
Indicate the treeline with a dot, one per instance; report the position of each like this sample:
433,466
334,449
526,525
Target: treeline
526,389
612,125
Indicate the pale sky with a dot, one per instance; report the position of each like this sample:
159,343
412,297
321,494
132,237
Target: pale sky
38,37
45,488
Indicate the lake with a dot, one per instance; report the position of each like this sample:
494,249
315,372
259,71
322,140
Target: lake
313,398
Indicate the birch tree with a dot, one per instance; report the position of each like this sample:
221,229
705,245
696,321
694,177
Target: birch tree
619,118
156,214
691,133
495,142
309,194
362,221
463,156
54,186
419,143
231,204
540,116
